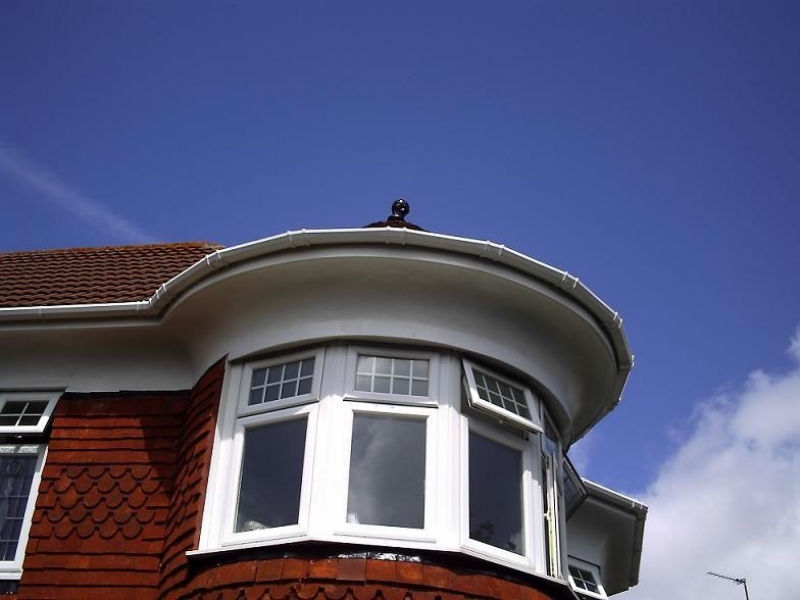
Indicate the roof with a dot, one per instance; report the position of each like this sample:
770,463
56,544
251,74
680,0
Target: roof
621,519
144,288
93,275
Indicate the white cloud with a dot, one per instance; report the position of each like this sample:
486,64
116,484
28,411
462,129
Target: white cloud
728,500
56,191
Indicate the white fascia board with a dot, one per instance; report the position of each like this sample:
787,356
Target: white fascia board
613,497
633,507
154,306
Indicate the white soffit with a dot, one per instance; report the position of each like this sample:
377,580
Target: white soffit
154,307
611,321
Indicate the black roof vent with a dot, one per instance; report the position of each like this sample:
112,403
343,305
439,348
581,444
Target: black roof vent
400,208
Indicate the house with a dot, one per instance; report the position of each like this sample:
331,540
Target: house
379,412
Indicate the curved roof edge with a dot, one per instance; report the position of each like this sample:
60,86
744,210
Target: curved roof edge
608,319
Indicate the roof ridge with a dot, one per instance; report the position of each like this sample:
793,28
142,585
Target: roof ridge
94,249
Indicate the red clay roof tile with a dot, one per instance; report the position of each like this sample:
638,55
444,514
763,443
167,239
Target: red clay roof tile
93,275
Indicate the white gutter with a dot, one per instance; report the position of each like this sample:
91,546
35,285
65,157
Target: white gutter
153,307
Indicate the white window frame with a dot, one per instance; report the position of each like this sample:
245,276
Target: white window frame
529,557
341,528
533,424
247,377
49,396
12,569
229,535
331,407
353,352
554,516
594,570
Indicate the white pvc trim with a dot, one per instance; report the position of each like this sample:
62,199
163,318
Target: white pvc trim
306,238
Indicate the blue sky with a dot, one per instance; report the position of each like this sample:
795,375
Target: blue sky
650,148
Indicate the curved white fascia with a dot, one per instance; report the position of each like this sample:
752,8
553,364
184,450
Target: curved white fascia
610,319
152,311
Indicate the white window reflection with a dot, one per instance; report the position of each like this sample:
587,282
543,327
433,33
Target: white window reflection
387,471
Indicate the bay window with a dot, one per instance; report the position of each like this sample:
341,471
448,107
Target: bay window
381,445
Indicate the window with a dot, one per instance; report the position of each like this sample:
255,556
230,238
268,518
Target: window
501,397
495,511
585,578
392,376
25,412
389,375
574,489
380,445
24,416
384,450
280,382
271,448
272,475
390,416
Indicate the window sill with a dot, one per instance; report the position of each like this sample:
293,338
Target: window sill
10,574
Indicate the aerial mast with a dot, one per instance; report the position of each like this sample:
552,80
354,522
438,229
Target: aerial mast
736,580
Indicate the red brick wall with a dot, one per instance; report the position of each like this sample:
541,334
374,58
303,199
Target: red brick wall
193,461
121,494
100,518
353,579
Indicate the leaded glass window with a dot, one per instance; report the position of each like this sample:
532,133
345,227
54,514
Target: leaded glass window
17,470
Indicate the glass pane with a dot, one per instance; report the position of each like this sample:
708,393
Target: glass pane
258,377
495,494
383,365
304,387
16,474
272,393
421,369
401,386
289,389
402,367
419,388
8,420
365,364
256,396
13,408
29,420
381,385
36,408
363,383
275,374
308,368
387,471
272,472
292,370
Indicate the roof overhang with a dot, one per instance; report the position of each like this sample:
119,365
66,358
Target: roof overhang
154,308
612,526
